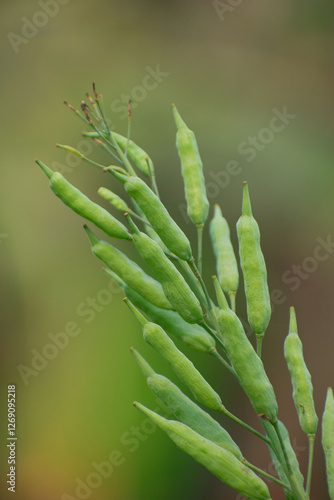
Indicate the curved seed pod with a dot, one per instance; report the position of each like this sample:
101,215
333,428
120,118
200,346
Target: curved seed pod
192,172
157,338
128,271
277,455
173,284
327,440
227,267
192,335
246,363
157,215
253,268
216,459
300,378
137,155
83,206
185,410
114,199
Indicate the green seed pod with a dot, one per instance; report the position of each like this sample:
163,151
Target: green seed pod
253,269
173,284
157,215
114,199
192,335
216,459
277,455
300,378
227,267
246,363
83,206
327,440
137,155
157,338
128,271
185,410
192,172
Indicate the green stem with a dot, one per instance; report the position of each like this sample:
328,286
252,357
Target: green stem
243,424
133,214
311,440
200,247
220,358
259,339
296,487
232,296
265,474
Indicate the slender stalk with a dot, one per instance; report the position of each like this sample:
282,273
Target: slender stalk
259,339
265,474
296,487
223,361
311,440
200,247
133,214
152,177
243,424
215,336
232,296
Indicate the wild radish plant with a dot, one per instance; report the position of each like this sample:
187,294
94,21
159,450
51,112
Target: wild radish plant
173,302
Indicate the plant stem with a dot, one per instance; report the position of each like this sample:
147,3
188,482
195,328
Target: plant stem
311,440
243,424
223,361
296,487
259,339
265,474
232,296
200,247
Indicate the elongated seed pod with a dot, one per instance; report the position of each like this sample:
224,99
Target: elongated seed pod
253,268
192,335
216,459
137,155
327,440
300,378
128,271
83,206
277,455
226,263
185,410
157,215
157,338
173,284
246,363
114,199
192,172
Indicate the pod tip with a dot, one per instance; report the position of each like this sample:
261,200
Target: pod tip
48,172
293,321
246,204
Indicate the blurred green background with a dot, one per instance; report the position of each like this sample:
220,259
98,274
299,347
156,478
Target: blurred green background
229,70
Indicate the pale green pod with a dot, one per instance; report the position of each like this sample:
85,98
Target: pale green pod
327,440
184,369
226,263
192,172
157,215
83,206
114,199
300,378
192,335
137,155
253,268
246,363
185,410
216,459
277,455
173,284
128,271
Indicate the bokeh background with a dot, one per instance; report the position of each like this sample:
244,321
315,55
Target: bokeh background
228,68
